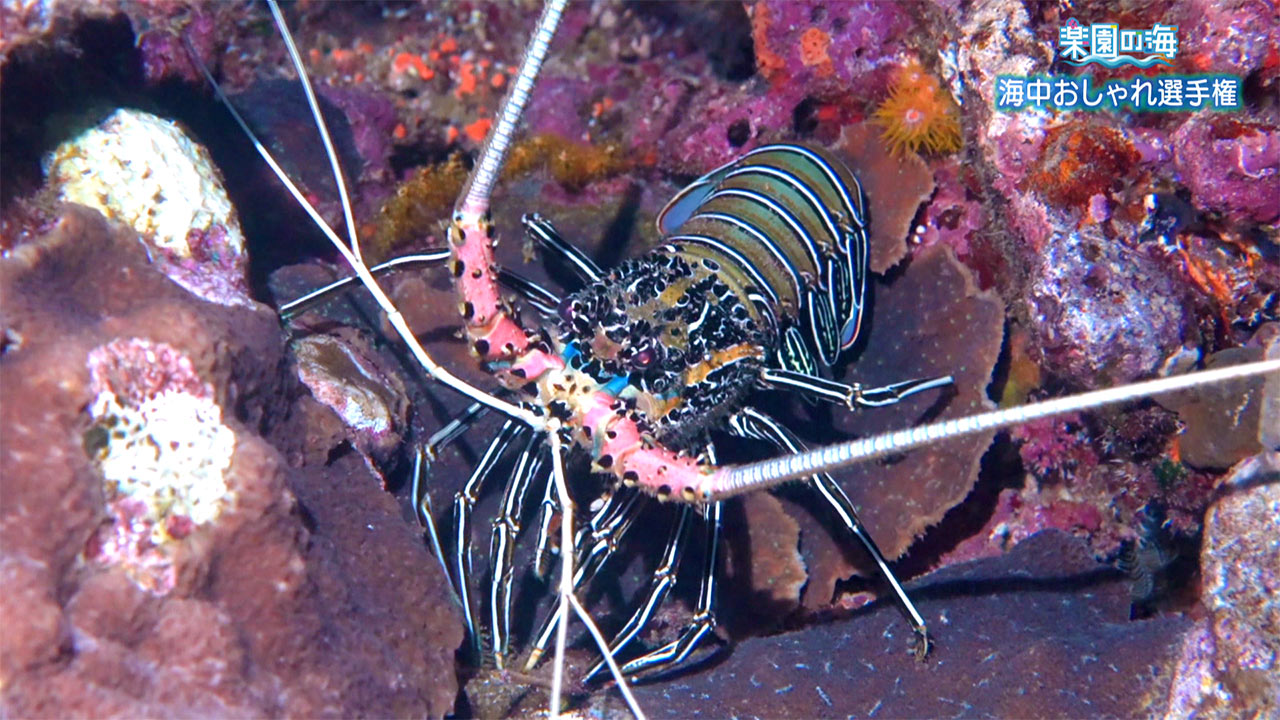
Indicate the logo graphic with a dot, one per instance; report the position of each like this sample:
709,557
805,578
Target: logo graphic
1112,47
1108,45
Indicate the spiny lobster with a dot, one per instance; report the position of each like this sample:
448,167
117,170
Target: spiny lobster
760,282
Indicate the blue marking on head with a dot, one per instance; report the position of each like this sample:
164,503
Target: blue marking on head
570,353
616,385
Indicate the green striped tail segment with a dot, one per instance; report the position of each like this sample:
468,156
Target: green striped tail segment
788,223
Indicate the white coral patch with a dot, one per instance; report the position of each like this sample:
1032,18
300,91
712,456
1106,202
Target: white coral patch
145,172
170,453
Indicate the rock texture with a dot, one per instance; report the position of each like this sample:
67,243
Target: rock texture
306,595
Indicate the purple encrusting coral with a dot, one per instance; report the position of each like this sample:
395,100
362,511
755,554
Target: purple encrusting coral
1110,247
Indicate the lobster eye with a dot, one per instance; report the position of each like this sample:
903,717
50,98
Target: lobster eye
566,309
642,359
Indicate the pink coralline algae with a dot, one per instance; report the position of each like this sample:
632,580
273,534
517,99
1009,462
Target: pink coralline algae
1230,166
1105,312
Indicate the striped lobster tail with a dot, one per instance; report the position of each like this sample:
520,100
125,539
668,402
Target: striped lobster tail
787,223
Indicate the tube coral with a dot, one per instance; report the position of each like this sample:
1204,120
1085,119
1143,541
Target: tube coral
919,113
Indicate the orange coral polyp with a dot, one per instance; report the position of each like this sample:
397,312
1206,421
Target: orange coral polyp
919,114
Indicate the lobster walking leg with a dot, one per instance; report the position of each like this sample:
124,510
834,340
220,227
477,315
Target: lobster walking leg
463,507
851,396
546,235
750,422
506,529
593,546
704,620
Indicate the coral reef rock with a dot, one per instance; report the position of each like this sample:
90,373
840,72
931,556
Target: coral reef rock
1230,665
165,548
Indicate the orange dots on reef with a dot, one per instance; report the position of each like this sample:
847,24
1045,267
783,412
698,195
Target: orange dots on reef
813,49
406,62
919,113
768,62
467,80
478,129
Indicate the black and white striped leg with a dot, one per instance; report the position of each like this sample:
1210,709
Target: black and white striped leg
673,654
851,396
464,504
547,237
453,430
506,529
594,544
422,505
547,515
538,296
752,423
664,578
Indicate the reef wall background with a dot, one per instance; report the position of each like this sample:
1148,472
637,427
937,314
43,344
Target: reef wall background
1117,563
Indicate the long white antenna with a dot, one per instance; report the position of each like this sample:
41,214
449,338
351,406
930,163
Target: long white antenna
351,256
739,479
348,215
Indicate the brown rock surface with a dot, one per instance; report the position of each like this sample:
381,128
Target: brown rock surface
307,596
1043,631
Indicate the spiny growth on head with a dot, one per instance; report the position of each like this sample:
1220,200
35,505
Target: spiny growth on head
919,113
669,338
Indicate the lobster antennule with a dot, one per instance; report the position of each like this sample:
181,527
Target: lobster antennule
739,479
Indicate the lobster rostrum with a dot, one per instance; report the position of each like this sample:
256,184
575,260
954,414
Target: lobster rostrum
759,282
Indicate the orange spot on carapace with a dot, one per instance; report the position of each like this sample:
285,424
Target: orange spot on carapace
401,132
498,80
451,135
448,45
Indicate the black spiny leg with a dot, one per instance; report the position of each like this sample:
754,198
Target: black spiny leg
752,423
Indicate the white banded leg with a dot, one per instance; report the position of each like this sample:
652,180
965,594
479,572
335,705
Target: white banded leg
676,652
422,504
463,506
664,578
506,529
547,237
752,423
851,396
